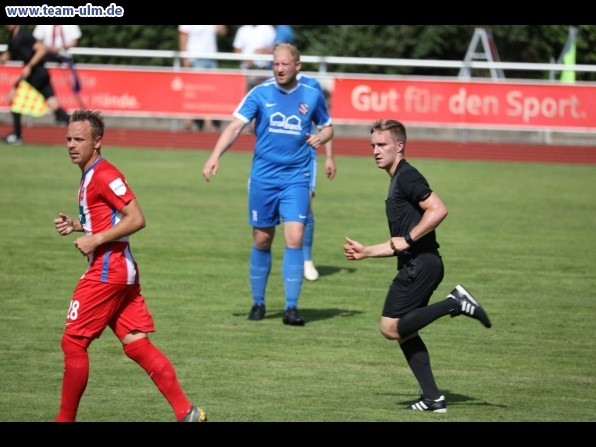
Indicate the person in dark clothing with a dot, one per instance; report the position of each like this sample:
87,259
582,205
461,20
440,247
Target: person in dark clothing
23,46
413,211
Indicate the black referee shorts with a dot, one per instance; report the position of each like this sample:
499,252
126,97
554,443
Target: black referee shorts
417,279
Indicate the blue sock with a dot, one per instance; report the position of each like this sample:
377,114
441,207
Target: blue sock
293,274
260,266
309,234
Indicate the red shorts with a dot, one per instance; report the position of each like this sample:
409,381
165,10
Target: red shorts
95,305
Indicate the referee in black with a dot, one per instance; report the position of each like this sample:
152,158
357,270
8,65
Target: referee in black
413,211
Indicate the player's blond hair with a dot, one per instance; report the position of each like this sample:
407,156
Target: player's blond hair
285,46
395,128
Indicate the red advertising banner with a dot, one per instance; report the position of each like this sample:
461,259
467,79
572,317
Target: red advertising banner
141,92
181,93
506,105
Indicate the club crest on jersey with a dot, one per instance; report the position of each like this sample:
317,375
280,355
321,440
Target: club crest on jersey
303,109
118,186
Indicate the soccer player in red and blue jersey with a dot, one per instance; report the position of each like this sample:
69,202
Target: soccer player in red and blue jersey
284,111
109,292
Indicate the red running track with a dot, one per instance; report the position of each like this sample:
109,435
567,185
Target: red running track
165,139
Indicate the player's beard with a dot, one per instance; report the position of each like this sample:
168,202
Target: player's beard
286,81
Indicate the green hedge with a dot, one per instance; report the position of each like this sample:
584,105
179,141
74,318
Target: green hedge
515,43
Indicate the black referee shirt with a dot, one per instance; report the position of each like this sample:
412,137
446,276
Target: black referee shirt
407,189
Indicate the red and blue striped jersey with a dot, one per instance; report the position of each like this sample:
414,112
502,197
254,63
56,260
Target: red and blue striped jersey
102,194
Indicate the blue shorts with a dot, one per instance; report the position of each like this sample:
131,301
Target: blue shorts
269,204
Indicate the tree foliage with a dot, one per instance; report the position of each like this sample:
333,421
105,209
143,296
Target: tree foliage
514,43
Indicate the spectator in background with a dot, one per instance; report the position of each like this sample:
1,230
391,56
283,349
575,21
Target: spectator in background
59,39
23,46
200,39
254,39
284,33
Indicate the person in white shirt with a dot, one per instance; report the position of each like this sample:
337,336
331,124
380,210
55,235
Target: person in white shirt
58,40
200,39
255,39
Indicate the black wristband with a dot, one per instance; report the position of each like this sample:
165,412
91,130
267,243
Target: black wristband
408,239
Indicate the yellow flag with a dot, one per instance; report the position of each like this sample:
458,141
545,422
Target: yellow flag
568,56
28,101
568,76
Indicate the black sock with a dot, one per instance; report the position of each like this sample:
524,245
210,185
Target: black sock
16,124
418,318
417,357
61,115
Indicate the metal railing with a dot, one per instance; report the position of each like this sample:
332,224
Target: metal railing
323,62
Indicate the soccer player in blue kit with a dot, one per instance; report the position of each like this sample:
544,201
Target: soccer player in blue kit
284,111
310,271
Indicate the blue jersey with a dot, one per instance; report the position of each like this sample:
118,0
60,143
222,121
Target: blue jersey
307,80
282,120
316,84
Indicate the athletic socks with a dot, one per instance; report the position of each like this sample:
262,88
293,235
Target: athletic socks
292,270
260,266
75,377
16,124
309,234
422,317
161,371
418,359
61,116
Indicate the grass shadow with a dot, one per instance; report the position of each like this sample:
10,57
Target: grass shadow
308,314
453,399
329,270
